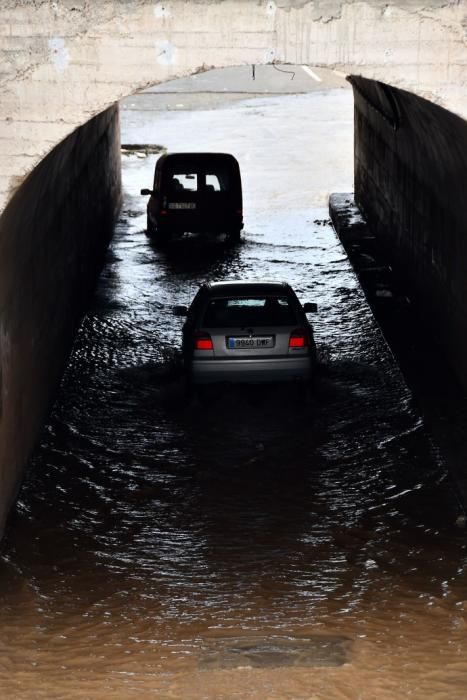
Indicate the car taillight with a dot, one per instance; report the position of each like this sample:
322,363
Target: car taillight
203,341
298,339
164,212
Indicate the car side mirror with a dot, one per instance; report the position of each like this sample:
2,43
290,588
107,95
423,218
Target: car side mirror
146,191
180,310
310,307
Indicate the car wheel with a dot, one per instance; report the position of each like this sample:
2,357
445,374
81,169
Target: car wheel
150,229
161,236
234,235
193,393
304,392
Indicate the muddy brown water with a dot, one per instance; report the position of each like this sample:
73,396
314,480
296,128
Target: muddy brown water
246,545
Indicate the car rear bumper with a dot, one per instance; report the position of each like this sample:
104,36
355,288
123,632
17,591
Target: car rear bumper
252,371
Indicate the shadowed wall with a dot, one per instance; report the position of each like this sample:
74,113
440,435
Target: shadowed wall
53,236
410,181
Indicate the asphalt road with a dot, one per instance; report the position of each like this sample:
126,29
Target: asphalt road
217,87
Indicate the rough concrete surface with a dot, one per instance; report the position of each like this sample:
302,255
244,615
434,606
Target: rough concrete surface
64,62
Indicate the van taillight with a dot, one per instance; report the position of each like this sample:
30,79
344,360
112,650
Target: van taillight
203,341
298,339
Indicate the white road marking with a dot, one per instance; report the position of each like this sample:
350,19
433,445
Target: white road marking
310,73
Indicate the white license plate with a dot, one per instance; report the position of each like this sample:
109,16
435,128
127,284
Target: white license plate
182,205
264,341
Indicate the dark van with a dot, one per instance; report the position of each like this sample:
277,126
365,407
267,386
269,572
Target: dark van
195,193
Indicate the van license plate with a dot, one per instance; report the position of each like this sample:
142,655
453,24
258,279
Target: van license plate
263,341
182,205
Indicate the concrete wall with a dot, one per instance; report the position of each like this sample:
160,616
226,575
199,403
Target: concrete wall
411,182
53,236
64,61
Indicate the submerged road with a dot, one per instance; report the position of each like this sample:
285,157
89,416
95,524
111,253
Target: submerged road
244,547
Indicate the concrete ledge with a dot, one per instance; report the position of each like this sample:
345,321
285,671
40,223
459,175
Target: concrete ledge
382,288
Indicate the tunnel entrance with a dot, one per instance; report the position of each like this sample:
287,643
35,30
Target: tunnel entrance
247,541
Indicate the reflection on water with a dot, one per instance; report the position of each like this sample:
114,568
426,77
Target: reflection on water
246,545
149,527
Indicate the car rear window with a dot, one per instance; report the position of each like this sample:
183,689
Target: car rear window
239,312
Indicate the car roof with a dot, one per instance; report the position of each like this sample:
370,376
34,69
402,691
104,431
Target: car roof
248,287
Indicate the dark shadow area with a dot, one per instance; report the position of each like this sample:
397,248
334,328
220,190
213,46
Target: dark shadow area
440,398
410,175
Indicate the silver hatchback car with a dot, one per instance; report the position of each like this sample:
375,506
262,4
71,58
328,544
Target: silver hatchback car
248,332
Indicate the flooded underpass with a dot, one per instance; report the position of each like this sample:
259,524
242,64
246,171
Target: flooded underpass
247,544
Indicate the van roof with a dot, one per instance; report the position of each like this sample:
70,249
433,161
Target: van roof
202,156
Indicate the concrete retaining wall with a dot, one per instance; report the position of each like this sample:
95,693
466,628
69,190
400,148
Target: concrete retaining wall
53,236
410,181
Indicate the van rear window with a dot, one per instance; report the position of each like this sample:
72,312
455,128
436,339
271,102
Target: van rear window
212,178
183,182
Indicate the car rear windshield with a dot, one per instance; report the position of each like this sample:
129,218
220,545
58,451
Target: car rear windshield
240,312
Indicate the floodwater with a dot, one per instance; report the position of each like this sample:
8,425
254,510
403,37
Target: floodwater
246,546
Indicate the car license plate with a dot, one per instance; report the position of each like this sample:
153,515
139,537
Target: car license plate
182,205
245,342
